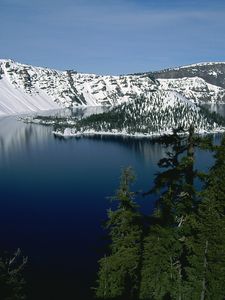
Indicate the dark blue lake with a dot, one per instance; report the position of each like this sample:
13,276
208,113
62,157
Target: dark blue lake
53,199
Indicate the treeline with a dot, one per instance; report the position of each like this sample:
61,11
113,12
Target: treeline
177,252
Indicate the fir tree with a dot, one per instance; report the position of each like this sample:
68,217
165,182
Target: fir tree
164,258
161,272
176,184
182,255
206,244
119,270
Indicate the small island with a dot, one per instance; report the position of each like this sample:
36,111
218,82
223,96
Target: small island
146,116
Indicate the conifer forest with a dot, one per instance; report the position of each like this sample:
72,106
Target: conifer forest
177,252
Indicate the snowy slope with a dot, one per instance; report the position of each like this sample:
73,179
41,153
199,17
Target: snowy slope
194,88
15,101
28,88
212,72
24,88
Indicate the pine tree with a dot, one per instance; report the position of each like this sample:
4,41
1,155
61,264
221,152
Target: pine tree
119,270
206,244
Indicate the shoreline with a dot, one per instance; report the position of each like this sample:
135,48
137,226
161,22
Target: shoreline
131,135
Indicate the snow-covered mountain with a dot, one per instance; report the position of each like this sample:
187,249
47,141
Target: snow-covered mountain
211,72
195,89
24,88
28,88
204,82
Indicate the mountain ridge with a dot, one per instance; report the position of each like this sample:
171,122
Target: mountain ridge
26,88
211,72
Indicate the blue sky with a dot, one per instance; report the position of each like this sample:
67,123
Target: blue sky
112,36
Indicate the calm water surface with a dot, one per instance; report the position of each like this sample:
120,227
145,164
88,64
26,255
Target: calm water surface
53,200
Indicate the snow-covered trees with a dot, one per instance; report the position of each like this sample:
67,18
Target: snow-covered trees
154,114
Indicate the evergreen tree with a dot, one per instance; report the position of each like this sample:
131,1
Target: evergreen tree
177,181
181,252
206,244
119,270
164,257
161,272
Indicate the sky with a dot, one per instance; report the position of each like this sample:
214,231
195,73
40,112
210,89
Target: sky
112,36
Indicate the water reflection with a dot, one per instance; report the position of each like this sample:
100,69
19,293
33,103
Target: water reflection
78,111
146,149
16,137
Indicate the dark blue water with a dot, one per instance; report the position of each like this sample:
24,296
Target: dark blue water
53,198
